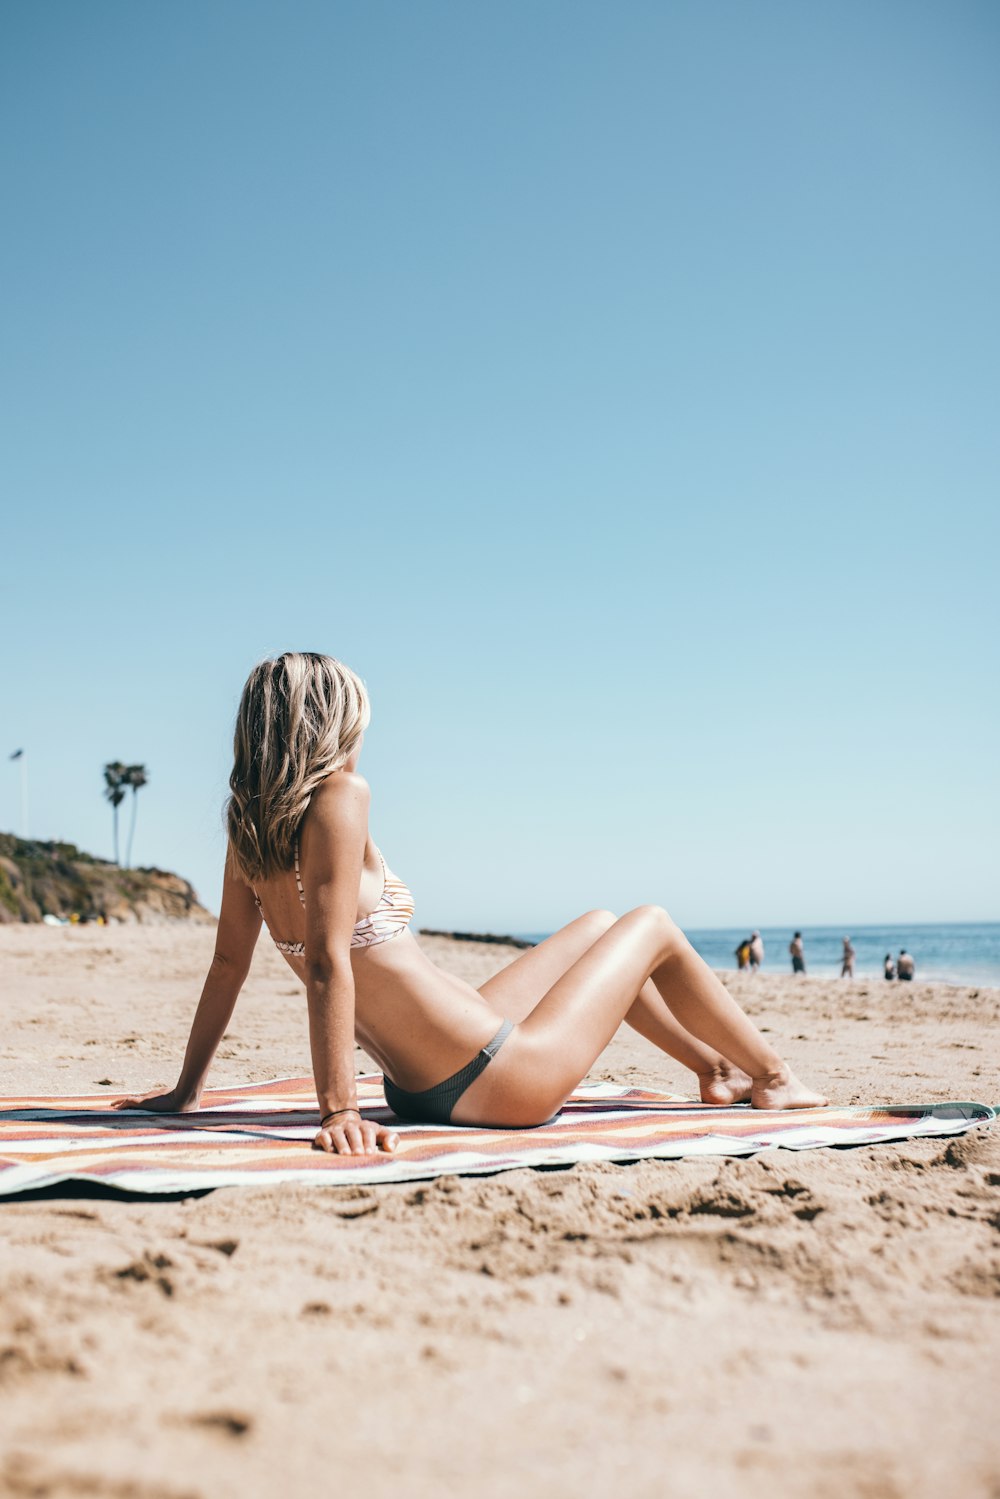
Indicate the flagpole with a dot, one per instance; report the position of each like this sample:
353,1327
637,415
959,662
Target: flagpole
22,756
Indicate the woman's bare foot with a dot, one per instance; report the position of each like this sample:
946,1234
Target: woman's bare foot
782,1090
724,1085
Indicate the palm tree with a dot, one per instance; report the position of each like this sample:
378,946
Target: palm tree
114,790
135,776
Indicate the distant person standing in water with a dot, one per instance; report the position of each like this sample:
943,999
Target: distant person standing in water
904,965
889,967
743,954
756,951
847,961
798,954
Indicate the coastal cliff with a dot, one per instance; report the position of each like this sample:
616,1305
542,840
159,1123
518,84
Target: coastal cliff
58,880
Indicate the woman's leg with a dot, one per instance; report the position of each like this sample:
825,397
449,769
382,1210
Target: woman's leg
514,992
559,1041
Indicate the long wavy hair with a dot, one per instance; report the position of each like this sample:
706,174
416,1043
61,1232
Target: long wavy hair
301,717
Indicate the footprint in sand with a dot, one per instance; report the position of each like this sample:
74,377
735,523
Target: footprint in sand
228,1423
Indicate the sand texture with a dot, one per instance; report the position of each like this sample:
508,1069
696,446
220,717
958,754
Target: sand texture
821,1324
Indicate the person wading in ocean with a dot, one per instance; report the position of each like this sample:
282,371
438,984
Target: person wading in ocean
847,959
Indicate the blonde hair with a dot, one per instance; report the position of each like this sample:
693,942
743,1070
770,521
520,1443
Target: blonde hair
301,717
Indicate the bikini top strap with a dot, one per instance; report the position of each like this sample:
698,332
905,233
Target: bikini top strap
298,877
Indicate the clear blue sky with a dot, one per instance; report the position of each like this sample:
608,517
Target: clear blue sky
614,387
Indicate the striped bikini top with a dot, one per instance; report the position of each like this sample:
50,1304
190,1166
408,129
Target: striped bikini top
391,916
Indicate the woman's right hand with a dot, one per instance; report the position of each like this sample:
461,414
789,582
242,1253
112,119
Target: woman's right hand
173,1102
349,1134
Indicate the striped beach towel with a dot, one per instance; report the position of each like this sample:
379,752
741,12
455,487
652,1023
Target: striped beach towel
261,1133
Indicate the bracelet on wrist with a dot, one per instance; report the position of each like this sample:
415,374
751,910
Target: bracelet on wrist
335,1112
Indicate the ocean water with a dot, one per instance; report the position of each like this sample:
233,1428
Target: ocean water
952,953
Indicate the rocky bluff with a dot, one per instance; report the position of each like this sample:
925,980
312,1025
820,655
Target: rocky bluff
39,879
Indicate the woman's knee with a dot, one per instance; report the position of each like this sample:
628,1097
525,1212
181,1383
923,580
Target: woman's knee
661,926
599,921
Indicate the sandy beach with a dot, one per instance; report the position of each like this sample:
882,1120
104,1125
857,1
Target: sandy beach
819,1324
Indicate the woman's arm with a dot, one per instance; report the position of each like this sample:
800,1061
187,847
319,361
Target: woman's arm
334,835
236,937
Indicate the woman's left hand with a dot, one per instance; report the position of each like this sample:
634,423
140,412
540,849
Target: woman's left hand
349,1134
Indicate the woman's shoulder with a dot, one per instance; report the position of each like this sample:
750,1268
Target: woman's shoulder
342,795
337,815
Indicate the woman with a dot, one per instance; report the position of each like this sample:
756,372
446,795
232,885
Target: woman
300,856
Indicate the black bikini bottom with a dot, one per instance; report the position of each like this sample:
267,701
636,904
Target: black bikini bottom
434,1105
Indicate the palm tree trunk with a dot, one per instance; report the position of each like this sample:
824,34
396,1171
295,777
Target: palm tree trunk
114,811
131,830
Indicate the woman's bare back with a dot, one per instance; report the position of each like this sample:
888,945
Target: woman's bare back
416,1021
